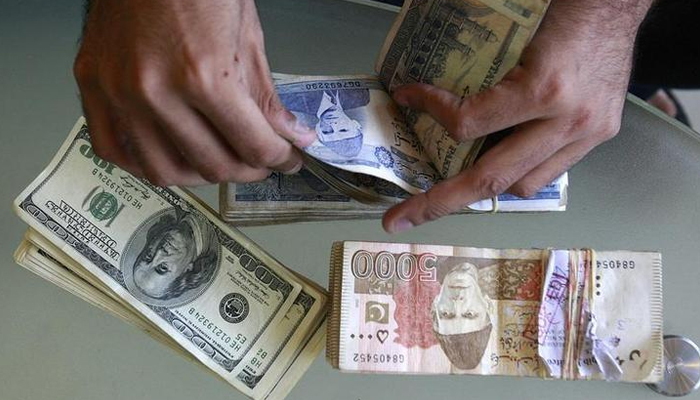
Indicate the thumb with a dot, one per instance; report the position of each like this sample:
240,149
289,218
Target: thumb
287,125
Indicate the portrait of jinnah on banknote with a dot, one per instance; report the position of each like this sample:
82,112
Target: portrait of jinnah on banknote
336,116
335,129
462,317
171,259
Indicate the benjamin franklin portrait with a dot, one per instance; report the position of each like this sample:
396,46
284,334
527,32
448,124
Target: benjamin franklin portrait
171,259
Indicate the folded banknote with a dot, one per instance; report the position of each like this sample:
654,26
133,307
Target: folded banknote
560,314
162,260
373,151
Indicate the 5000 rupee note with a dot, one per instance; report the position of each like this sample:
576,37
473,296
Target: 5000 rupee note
410,308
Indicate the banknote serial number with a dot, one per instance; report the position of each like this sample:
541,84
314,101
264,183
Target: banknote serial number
235,343
386,266
374,358
333,85
616,264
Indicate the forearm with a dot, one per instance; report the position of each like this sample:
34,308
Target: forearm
612,18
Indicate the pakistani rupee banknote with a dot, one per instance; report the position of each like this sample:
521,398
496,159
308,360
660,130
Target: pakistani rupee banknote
464,46
165,259
373,151
426,309
305,197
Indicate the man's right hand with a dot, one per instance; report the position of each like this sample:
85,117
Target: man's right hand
179,92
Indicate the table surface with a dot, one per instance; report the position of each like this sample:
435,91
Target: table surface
639,191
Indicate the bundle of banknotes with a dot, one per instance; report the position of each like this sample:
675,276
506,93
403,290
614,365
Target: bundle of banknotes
369,149
161,260
558,314
304,197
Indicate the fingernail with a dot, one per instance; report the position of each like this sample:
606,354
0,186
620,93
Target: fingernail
402,224
294,170
304,135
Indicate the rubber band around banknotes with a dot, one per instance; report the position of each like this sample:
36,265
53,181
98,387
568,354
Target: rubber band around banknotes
494,202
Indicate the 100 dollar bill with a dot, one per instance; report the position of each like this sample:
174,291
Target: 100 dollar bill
169,259
410,308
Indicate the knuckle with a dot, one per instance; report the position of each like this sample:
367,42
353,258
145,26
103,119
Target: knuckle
262,157
524,189
83,70
459,128
490,185
435,207
146,84
216,173
552,91
462,126
198,78
270,105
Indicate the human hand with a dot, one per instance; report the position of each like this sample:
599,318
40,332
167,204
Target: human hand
179,92
564,98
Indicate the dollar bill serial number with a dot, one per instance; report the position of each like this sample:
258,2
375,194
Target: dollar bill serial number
616,264
235,343
333,85
378,358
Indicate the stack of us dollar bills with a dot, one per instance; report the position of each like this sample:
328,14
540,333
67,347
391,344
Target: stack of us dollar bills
557,314
369,152
161,260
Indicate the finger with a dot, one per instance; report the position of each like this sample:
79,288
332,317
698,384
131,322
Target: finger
441,104
241,123
162,163
287,125
502,106
281,120
551,169
108,142
204,148
492,174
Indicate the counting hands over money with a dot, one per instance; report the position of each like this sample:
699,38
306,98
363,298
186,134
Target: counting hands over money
160,260
371,150
460,46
